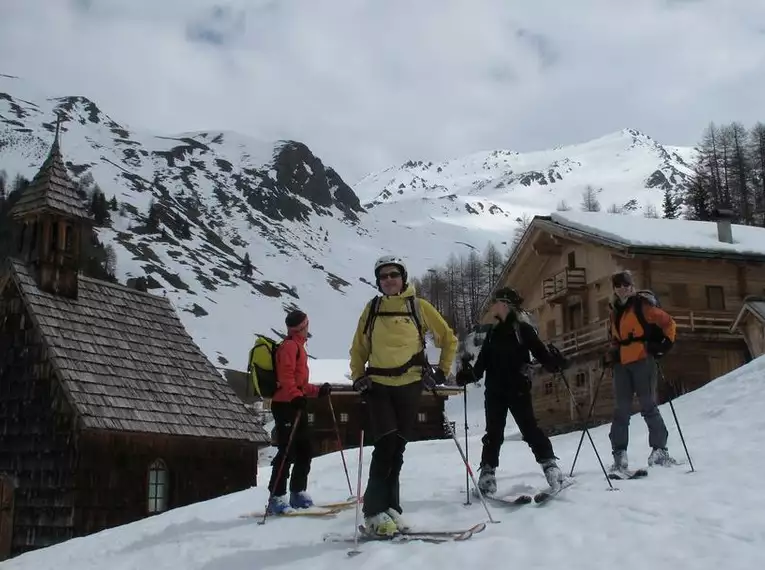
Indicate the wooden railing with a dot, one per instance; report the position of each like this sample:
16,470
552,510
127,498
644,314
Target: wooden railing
595,334
564,281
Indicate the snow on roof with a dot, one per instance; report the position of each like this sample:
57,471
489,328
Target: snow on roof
638,231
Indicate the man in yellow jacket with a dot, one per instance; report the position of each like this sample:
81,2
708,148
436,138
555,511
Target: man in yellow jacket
640,333
390,368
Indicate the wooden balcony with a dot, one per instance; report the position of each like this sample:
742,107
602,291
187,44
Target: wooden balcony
704,324
557,287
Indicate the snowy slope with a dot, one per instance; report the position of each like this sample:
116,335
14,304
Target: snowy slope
673,519
311,241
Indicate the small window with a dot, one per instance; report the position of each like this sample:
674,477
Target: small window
715,298
602,309
343,418
157,487
572,260
310,418
22,235
678,295
548,387
581,379
422,417
54,237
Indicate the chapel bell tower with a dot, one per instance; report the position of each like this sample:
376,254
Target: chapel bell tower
52,223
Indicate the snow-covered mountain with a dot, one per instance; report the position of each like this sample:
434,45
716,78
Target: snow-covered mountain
671,519
311,237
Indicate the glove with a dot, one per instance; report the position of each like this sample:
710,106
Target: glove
325,390
432,378
659,349
466,376
298,403
362,384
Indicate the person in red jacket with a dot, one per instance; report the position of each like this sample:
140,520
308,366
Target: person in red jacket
290,397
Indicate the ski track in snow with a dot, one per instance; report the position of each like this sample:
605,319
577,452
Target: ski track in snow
672,519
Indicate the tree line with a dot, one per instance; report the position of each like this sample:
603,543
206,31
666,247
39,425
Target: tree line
729,174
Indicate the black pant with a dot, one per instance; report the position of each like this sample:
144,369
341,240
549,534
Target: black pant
496,405
299,454
392,412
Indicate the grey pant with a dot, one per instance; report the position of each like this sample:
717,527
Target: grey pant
636,378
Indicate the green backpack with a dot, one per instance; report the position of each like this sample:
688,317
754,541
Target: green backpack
262,366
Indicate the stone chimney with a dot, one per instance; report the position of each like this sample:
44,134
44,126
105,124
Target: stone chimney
723,218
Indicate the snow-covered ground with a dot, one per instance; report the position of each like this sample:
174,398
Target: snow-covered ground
672,519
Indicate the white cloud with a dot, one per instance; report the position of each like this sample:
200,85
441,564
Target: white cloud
367,84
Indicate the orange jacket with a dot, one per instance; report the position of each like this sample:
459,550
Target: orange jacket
292,371
629,324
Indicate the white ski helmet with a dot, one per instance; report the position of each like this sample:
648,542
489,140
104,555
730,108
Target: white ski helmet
390,260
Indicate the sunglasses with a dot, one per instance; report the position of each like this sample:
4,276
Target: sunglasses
391,275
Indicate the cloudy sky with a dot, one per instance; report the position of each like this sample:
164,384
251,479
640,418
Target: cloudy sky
370,83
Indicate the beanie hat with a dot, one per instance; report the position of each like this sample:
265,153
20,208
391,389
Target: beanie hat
509,296
295,319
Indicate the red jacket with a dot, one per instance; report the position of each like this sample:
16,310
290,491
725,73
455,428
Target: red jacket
292,371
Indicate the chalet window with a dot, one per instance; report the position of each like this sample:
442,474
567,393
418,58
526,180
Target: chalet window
581,379
157,487
602,309
422,417
572,260
33,241
551,329
343,418
678,295
715,298
548,387
310,418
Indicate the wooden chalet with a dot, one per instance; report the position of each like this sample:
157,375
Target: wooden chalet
750,321
109,412
346,404
701,271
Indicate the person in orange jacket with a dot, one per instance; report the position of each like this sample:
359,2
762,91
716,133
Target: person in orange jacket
290,397
633,354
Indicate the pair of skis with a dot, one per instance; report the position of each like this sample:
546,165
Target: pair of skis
433,537
323,510
539,498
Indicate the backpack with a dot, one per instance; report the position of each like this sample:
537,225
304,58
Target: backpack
414,312
261,366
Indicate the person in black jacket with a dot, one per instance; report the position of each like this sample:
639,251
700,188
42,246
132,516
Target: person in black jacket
504,356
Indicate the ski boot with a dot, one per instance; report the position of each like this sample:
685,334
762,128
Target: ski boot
487,482
660,456
620,461
553,474
381,524
300,500
278,505
399,520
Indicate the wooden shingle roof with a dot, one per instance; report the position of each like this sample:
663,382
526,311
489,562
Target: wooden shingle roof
128,364
51,190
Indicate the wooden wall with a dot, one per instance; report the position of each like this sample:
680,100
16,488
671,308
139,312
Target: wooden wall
36,438
113,474
754,330
690,365
348,403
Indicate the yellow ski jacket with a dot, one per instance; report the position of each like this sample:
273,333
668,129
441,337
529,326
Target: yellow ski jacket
395,340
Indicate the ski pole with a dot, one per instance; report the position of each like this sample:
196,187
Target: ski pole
340,444
448,426
677,423
579,414
467,455
283,462
589,419
356,550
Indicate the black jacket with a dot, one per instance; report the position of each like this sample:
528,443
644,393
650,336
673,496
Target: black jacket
505,358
